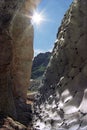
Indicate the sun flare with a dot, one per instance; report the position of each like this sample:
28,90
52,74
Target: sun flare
37,18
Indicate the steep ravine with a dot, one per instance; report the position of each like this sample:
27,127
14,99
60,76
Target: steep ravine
62,100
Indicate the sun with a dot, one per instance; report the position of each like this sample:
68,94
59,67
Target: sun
37,18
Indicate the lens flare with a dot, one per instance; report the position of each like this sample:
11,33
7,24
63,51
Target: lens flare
37,18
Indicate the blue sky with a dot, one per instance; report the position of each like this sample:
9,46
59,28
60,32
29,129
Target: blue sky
45,33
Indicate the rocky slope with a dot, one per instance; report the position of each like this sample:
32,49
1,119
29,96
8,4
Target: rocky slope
40,63
10,124
62,101
35,85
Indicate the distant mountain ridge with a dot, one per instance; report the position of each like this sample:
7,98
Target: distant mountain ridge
40,63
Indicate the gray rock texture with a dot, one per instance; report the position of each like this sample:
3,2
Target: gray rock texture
62,101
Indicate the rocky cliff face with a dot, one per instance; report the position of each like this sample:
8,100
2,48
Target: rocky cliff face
7,12
62,102
16,42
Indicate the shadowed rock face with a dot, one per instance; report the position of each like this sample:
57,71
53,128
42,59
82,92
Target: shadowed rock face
16,51
7,12
63,97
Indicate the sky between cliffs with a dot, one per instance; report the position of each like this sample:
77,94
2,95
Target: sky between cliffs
45,34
